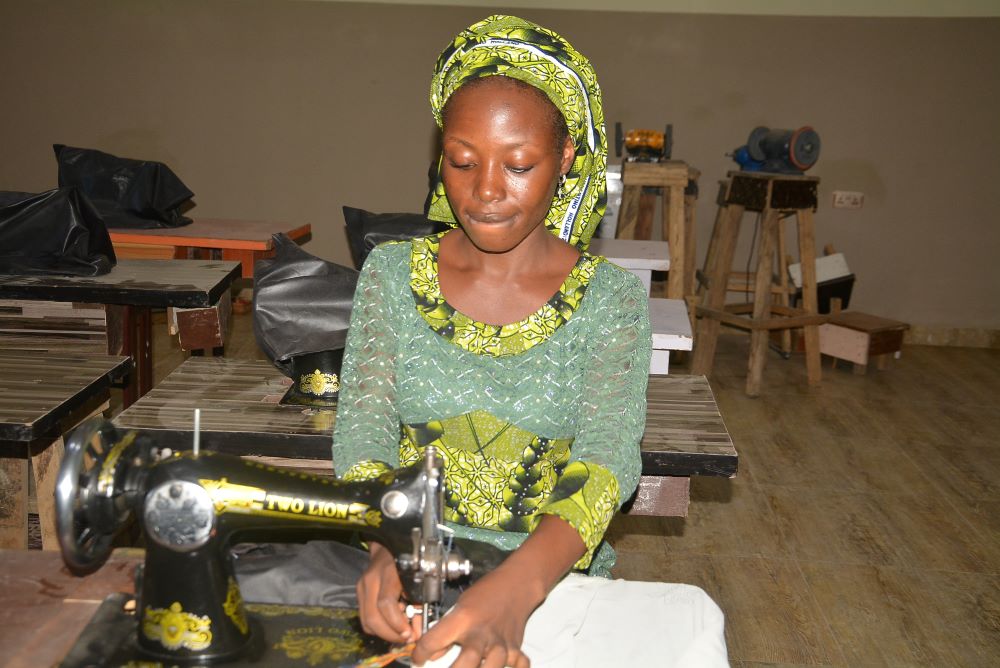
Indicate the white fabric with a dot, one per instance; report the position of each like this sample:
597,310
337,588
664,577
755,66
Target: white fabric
589,622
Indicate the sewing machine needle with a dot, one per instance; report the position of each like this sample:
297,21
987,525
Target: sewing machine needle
197,431
427,617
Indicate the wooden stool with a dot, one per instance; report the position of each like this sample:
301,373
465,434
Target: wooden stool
859,337
772,195
635,218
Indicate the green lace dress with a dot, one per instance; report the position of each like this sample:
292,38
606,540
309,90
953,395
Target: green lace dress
542,416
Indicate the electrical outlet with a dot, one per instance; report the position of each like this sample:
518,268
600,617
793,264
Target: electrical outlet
848,199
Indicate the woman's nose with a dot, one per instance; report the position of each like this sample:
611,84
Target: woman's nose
490,186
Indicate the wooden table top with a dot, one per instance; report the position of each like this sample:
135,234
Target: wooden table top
685,434
45,606
634,253
214,233
157,283
40,389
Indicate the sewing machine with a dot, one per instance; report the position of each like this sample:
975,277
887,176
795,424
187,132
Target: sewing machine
192,506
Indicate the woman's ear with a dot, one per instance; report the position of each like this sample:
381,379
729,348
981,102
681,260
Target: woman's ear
568,153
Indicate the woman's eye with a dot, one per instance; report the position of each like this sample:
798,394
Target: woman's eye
519,170
460,165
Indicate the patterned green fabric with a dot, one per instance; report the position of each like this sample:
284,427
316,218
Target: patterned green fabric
554,429
482,338
512,47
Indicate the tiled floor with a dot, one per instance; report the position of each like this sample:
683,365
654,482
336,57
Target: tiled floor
862,527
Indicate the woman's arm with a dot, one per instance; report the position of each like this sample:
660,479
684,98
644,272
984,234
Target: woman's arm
605,463
366,433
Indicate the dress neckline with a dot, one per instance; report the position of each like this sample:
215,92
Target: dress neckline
483,338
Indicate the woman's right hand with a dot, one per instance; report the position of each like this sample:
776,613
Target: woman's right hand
379,598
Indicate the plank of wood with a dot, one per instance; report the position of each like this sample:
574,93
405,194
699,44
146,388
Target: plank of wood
156,283
214,233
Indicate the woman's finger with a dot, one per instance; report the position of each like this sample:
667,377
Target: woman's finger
495,657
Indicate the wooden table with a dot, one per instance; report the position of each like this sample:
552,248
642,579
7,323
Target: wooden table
136,286
640,256
685,434
45,607
43,396
243,240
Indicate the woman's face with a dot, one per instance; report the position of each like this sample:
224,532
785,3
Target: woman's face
501,164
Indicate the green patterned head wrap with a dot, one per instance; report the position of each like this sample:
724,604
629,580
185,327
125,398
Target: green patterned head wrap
512,47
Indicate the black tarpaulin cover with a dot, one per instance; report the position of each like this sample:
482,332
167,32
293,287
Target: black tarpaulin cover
129,193
301,303
365,229
56,232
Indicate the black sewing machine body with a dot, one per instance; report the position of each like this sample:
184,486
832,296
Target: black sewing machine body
194,506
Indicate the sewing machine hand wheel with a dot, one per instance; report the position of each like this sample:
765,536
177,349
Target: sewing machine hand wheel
90,505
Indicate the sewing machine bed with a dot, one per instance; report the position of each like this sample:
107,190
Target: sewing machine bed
287,636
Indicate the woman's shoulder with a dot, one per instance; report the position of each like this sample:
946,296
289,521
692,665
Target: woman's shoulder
611,279
396,254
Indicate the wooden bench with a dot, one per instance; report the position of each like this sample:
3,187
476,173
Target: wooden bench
240,415
43,395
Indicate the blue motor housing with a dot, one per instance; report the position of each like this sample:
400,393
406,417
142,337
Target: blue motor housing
779,151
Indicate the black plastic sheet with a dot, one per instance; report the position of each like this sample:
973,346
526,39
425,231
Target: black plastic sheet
365,229
58,232
301,303
136,194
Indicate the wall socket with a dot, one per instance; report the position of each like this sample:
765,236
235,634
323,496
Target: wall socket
848,199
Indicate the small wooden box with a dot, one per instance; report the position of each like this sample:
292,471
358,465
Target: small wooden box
860,337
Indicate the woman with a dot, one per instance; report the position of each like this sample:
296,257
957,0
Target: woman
522,358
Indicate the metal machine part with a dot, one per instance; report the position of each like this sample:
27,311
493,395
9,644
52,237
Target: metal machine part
779,151
191,505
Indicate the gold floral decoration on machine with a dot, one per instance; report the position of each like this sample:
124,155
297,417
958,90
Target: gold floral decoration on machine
173,628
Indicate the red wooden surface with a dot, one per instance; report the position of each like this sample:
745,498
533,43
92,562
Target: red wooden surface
45,606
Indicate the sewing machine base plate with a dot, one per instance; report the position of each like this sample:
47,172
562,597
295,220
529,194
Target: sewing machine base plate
286,636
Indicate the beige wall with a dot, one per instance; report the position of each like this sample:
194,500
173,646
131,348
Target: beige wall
287,110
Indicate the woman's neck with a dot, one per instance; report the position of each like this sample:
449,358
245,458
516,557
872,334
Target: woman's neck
503,288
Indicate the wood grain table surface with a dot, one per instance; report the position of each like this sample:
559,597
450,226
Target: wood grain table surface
685,434
45,606
39,389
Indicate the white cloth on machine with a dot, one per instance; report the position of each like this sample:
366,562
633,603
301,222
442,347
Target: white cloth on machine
589,622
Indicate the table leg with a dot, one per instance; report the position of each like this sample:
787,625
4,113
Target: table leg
759,338
245,257
723,248
628,216
45,470
13,503
138,344
810,302
673,223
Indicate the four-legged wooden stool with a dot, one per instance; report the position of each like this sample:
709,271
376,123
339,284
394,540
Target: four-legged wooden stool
677,184
772,195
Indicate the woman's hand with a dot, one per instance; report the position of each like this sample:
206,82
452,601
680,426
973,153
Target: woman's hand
489,619
487,622
379,590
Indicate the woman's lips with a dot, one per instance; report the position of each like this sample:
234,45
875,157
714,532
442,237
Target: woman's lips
489,218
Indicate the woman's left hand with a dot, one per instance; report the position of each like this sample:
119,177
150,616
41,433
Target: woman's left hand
487,623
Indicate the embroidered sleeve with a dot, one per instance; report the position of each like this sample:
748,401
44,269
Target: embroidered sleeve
366,433
586,496
612,414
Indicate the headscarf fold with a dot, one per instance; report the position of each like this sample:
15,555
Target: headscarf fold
513,47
